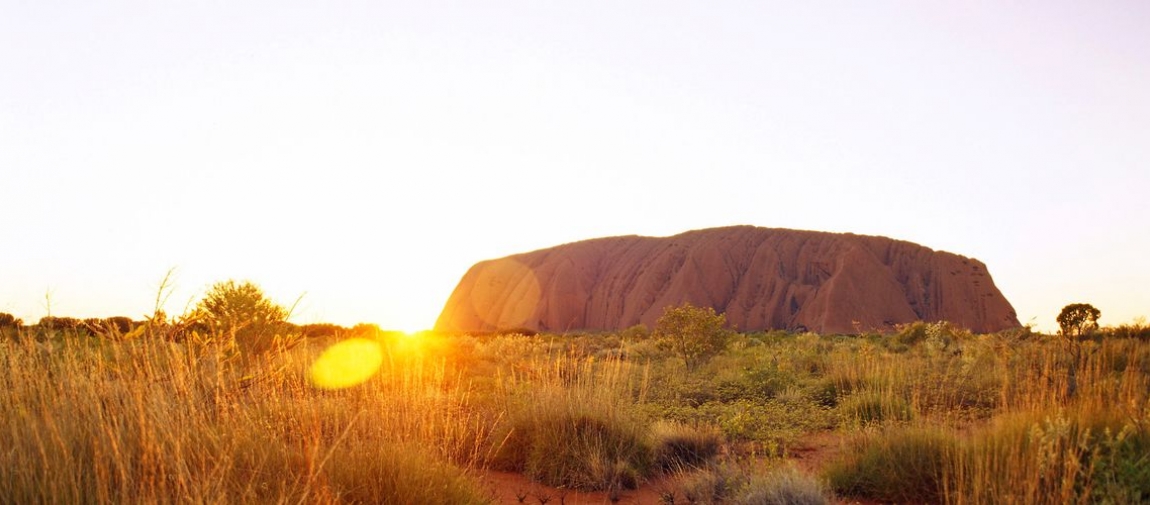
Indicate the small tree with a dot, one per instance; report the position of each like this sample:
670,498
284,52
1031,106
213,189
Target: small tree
1078,319
240,313
694,333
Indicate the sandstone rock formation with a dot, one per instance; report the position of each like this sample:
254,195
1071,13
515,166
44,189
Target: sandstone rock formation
762,278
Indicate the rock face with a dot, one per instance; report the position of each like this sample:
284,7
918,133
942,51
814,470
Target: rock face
761,278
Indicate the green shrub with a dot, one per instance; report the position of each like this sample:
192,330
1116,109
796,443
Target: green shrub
911,334
695,334
758,384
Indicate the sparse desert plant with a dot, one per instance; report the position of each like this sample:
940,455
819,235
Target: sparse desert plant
678,446
714,484
784,486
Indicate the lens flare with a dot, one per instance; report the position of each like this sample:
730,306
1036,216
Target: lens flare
346,364
506,294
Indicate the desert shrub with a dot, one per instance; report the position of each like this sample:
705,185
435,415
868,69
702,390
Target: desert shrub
694,334
10,326
678,446
121,324
321,330
114,327
9,321
242,314
825,391
784,486
771,427
59,323
713,485
902,466
636,333
1136,330
756,384
644,351
910,334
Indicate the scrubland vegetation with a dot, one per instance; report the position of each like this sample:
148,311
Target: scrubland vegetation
179,411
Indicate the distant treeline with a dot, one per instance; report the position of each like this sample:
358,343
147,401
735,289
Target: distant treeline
121,325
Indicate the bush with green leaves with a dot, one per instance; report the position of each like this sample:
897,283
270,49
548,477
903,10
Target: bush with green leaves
695,334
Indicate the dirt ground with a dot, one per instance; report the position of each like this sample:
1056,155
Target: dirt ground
811,455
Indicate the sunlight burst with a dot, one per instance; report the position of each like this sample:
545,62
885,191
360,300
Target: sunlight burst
346,364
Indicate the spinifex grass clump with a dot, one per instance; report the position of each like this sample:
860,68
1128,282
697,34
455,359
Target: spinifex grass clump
570,424
901,466
784,486
1086,458
1071,425
678,446
729,483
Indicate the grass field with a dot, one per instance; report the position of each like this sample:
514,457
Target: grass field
928,415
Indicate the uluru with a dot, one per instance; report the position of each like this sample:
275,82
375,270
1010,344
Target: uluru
761,278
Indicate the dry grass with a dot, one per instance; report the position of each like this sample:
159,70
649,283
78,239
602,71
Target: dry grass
149,421
978,418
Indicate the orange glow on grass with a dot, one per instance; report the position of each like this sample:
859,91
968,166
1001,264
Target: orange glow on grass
346,364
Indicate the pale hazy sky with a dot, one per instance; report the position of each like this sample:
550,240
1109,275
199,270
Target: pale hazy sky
365,154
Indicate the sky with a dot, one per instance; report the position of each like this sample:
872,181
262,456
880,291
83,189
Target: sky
359,157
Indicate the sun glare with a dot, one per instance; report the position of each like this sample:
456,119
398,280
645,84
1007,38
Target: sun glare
346,364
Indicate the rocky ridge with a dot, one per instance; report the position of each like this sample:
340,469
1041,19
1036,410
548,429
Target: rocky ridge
761,278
